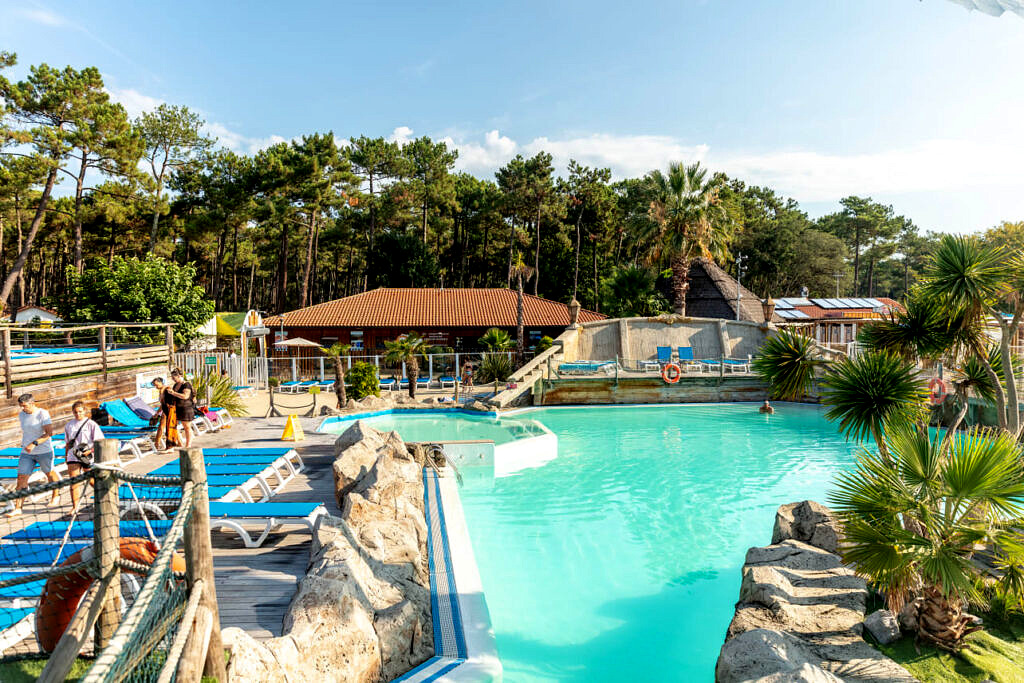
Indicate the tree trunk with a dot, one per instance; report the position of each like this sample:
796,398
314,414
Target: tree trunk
680,283
511,247
941,622
234,269
520,342
252,282
282,270
309,261
424,218
339,380
37,220
21,241
413,367
536,255
79,184
856,260
597,285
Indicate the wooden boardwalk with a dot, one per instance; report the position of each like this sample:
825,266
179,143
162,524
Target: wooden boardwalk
256,585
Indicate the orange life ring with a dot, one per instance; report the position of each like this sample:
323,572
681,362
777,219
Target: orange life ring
61,594
938,390
671,373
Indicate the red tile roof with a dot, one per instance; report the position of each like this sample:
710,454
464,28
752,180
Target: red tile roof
819,313
430,307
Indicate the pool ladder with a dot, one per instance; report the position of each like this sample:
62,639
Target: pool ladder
435,449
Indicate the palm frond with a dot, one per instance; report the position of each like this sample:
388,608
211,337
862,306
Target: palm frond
865,392
786,361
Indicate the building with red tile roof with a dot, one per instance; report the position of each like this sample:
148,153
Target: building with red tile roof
834,321
455,317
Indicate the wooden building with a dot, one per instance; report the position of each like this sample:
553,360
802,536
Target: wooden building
455,318
834,322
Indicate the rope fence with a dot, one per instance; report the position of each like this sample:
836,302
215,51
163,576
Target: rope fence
104,566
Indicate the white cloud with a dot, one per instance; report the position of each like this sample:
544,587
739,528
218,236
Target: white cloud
401,135
237,142
133,101
44,16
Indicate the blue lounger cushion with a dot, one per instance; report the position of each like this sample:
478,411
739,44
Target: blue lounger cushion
9,616
219,452
261,510
82,530
168,493
686,353
32,589
664,354
36,554
120,411
212,469
173,468
446,378
140,408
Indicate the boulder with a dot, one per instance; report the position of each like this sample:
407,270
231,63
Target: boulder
882,626
808,673
358,432
794,555
759,653
807,521
351,405
354,463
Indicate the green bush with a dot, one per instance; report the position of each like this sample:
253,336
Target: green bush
363,381
544,344
495,367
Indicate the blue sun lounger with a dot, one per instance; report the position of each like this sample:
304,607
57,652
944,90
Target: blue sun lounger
54,531
120,411
16,624
271,515
390,384
36,554
261,470
30,590
423,382
446,381
289,455
664,356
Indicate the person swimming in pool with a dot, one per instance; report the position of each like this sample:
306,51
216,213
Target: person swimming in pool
767,408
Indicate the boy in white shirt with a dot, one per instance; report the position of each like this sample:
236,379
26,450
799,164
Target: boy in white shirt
36,448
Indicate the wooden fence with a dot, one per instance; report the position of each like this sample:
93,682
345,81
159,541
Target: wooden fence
49,365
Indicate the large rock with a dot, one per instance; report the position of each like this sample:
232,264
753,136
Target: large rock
807,521
801,611
882,626
362,611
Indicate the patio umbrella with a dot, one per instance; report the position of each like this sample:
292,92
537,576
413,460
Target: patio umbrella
297,342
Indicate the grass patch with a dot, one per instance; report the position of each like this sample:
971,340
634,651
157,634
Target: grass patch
28,670
997,653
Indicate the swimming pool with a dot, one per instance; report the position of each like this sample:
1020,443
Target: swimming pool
620,559
442,425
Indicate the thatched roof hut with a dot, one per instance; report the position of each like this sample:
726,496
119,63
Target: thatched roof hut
712,294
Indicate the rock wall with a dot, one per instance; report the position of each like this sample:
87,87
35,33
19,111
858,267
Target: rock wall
801,610
362,612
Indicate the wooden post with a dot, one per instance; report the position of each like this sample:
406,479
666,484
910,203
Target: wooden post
7,363
199,565
169,340
103,350
107,540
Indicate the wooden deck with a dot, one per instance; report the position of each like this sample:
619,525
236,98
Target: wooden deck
256,585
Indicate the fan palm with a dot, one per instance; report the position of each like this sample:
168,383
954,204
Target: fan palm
519,271
337,353
914,528
690,222
975,280
221,391
496,339
786,362
866,393
406,349
632,292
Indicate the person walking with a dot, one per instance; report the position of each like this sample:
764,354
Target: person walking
36,448
167,428
80,437
184,403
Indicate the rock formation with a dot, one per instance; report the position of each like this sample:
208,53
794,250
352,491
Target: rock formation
801,611
362,612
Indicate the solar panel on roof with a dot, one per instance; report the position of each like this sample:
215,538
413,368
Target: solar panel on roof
784,313
800,314
875,303
782,304
823,303
798,301
862,303
845,303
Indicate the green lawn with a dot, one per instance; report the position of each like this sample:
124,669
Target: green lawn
28,670
997,653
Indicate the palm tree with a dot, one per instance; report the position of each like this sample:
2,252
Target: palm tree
496,339
868,393
337,353
786,362
914,528
406,349
690,222
975,283
520,271
632,292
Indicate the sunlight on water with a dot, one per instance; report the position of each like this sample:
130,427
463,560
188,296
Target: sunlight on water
620,560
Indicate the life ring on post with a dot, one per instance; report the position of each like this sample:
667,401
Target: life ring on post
938,390
671,373
61,594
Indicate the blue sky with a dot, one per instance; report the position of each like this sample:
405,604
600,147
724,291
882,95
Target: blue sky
914,102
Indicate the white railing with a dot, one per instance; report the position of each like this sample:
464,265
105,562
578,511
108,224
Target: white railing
255,373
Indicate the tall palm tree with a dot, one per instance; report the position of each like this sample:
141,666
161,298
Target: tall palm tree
407,349
913,529
496,339
978,282
690,222
337,353
520,271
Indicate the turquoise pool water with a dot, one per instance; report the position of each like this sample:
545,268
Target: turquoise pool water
420,426
620,560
